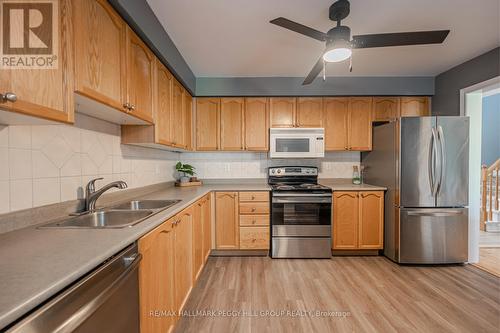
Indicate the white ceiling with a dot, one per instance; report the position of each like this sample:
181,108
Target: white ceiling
232,38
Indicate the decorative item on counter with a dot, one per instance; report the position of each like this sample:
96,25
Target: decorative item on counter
187,177
356,179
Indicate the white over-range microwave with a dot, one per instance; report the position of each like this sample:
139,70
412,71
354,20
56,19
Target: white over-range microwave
296,142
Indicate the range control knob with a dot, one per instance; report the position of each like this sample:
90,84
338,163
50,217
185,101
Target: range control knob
279,171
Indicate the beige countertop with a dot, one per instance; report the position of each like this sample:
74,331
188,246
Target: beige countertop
35,264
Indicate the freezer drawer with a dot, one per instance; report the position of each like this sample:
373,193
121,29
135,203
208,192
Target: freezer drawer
433,236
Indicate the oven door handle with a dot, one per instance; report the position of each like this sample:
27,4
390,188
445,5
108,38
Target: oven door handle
324,195
302,199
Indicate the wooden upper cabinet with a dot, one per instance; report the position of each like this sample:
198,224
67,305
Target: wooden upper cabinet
371,220
45,93
282,111
178,115
140,77
99,48
386,108
156,278
163,107
256,124
309,112
345,220
226,221
207,123
415,106
336,115
183,260
360,123
231,123
187,120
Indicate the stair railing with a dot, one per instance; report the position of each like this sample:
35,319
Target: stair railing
489,176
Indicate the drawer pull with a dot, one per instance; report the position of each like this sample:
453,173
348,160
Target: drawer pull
253,209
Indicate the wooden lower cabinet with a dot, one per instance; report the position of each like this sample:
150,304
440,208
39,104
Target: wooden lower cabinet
156,279
242,220
358,220
371,220
254,238
173,255
226,221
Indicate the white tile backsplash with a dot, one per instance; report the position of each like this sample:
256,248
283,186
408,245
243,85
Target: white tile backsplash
21,194
254,165
46,164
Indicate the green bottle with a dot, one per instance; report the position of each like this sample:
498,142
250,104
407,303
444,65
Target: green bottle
356,179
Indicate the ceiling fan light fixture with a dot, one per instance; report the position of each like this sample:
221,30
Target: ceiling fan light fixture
337,54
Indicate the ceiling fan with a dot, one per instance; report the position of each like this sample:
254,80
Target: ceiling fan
338,40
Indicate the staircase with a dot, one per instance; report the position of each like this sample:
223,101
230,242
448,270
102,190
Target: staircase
490,200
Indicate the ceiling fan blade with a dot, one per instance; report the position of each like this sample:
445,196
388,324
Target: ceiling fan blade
399,39
314,72
300,28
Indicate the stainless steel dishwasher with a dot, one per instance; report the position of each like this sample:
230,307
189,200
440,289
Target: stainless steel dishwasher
106,300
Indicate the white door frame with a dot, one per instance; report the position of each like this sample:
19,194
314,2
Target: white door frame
474,101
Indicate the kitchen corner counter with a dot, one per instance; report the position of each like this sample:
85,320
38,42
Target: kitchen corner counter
343,184
35,264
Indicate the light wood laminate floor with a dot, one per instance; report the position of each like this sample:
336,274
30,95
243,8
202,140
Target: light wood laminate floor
377,295
489,260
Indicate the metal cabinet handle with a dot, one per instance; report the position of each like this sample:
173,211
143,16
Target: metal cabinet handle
126,105
132,107
8,97
253,197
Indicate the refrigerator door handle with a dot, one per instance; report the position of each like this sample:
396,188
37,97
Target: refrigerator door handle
435,213
433,153
442,155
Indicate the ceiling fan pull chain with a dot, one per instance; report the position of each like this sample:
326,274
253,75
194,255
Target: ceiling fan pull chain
324,71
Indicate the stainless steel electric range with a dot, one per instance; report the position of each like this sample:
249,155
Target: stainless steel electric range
301,213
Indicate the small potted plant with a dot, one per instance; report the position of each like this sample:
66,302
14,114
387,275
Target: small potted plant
186,170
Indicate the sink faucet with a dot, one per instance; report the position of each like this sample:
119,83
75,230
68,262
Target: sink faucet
91,195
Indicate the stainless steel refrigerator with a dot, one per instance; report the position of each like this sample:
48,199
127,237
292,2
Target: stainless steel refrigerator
424,163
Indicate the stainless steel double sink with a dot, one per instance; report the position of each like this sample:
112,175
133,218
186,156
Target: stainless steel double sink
122,215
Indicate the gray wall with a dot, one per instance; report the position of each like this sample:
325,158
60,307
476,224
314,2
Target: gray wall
446,100
490,142
333,86
143,21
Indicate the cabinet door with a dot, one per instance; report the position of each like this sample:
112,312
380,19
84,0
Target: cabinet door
345,220
231,123
336,112
188,116
177,114
415,106
371,220
45,93
385,108
197,238
156,278
140,77
282,111
309,112
360,123
256,124
99,44
183,243
207,123
163,115
226,221
207,226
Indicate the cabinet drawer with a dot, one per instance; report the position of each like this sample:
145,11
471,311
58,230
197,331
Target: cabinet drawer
254,220
254,238
254,196
254,207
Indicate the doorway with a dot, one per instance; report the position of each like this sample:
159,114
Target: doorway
481,103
